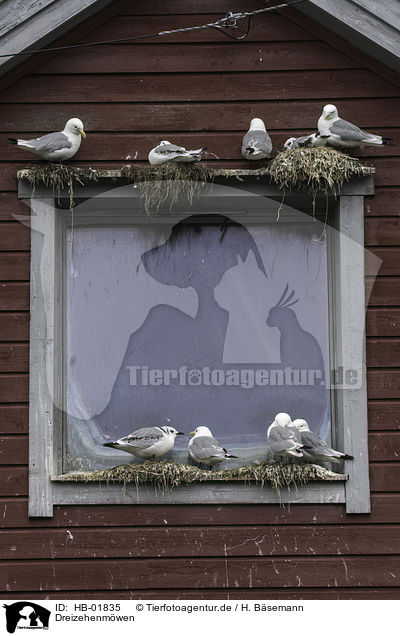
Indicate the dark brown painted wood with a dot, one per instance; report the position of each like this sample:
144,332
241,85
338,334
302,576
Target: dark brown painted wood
383,416
27,118
14,266
385,202
247,56
13,481
14,236
14,296
383,322
383,291
329,84
208,573
382,231
14,450
384,446
256,541
383,384
14,388
385,508
385,477
14,357
13,419
383,352
336,593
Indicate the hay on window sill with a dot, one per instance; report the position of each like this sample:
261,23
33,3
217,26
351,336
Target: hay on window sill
309,169
315,169
166,474
167,183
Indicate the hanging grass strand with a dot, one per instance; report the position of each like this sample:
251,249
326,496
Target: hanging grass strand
158,185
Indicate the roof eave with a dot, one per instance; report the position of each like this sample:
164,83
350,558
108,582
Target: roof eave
372,33
26,28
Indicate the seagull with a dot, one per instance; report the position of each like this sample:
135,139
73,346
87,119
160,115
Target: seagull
205,449
147,442
56,146
281,439
316,448
167,152
344,134
316,140
257,143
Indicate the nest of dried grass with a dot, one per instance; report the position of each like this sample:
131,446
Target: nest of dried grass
58,177
168,183
315,169
166,474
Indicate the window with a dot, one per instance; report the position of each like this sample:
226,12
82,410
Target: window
211,314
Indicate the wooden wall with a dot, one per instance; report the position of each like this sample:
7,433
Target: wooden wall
200,89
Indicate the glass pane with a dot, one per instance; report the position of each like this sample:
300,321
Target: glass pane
205,322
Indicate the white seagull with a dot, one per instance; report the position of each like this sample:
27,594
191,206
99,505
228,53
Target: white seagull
256,143
316,450
147,442
316,140
282,440
56,146
167,152
344,134
205,449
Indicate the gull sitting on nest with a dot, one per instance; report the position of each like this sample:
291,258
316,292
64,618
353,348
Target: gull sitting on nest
282,439
205,449
316,140
343,134
167,152
149,442
315,449
256,143
56,146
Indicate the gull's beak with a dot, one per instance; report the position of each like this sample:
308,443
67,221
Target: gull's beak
192,433
81,132
326,116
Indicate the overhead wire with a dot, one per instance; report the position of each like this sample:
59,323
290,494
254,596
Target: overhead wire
228,22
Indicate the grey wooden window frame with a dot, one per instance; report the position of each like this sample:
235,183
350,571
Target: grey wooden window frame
45,442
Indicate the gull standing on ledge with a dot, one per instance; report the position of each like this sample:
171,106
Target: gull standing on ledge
147,442
343,134
257,143
316,450
282,440
167,152
56,146
205,449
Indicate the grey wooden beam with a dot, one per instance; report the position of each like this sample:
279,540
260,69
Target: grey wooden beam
35,24
349,325
373,27
205,493
256,183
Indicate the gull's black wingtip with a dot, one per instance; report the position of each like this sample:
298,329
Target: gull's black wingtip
12,140
110,444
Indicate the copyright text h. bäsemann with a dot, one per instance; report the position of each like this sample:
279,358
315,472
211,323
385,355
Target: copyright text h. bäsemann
225,607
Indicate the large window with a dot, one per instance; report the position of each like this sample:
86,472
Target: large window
210,314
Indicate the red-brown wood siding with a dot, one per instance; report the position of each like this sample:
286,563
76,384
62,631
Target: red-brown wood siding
202,89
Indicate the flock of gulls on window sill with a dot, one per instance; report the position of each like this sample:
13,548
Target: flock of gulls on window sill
286,438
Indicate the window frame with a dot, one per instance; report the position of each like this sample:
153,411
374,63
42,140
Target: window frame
46,338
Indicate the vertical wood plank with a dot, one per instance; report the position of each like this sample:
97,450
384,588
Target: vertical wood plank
350,350
42,337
